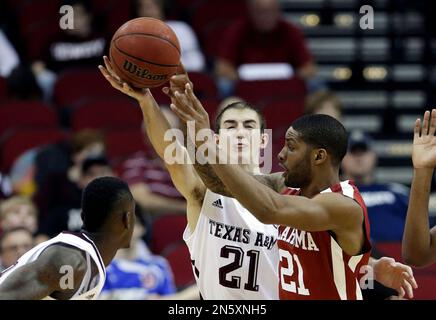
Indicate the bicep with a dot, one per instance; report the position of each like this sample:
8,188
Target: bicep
323,212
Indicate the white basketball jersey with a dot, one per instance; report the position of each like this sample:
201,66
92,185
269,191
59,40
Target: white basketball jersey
234,256
89,288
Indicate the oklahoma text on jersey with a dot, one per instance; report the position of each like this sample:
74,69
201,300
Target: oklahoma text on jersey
312,264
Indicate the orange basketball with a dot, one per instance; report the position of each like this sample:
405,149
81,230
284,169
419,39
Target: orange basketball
145,52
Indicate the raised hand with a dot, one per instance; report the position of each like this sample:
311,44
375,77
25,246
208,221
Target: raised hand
118,84
424,142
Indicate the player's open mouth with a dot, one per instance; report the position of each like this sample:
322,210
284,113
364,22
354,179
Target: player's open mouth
286,169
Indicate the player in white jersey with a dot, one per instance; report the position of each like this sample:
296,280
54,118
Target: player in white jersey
72,265
233,255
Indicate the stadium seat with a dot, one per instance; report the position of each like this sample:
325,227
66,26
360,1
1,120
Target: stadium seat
38,23
14,143
180,261
211,18
77,86
107,114
2,88
26,114
265,90
123,143
206,13
167,230
281,113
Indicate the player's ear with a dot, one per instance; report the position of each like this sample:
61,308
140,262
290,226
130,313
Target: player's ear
319,156
127,219
264,140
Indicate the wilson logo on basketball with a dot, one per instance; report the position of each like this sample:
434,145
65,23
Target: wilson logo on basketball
142,73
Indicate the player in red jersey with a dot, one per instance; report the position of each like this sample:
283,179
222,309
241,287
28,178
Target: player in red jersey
324,233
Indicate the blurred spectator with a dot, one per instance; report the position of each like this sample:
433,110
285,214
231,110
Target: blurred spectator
18,211
22,84
324,102
136,274
81,46
5,186
66,215
150,182
192,57
386,202
263,37
8,56
58,169
13,244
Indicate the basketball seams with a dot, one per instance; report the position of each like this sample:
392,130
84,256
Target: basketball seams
140,59
147,35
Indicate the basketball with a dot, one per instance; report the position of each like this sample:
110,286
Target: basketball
145,52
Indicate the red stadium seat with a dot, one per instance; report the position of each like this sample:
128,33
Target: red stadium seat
26,114
265,90
167,230
39,21
123,143
107,114
15,143
180,261
2,88
77,86
206,13
210,19
281,113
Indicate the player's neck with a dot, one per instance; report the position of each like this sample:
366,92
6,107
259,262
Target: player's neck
105,246
320,182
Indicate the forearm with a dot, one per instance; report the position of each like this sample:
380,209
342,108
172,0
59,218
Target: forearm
250,193
211,180
417,245
156,125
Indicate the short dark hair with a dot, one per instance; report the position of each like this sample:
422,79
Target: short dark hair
240,105
99,200
89,162
323,131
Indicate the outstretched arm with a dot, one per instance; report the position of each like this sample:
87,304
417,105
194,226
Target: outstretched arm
182,174
419,243
42,277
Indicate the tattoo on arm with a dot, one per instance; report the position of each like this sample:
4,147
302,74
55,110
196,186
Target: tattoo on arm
211,180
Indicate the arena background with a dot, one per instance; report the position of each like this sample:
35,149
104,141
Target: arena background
384,78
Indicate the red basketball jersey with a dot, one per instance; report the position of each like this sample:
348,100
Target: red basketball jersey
313,266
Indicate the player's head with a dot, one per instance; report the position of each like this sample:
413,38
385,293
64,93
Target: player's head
108,207
265,14
312,143
242,127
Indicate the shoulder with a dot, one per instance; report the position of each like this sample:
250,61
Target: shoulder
340,205
58,257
